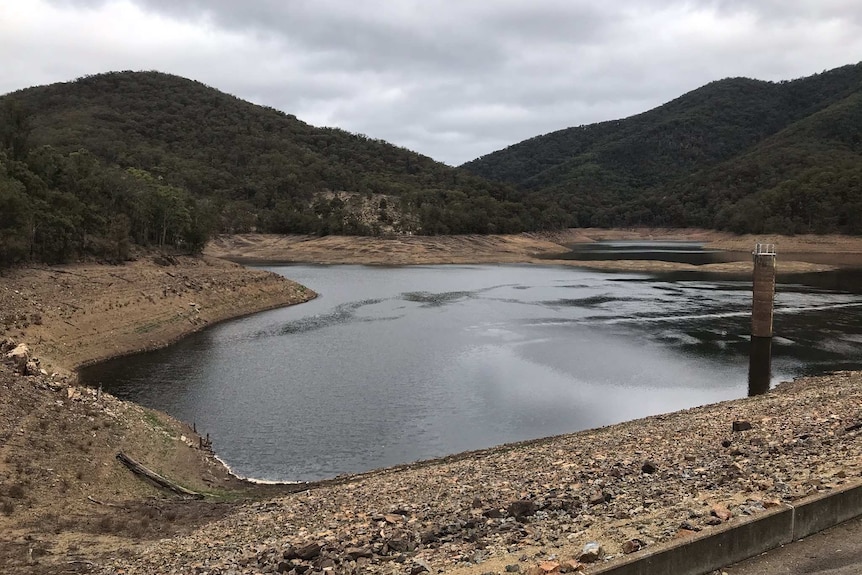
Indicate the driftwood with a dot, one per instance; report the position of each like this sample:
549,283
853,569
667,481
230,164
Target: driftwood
139,469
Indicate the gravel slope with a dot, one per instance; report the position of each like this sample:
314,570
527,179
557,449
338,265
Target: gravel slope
624,486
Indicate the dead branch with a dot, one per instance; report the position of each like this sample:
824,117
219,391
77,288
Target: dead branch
139,469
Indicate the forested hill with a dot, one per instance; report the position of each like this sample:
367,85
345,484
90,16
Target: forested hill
151,158
738,154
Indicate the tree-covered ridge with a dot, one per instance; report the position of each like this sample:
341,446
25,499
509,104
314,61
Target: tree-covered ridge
726,155
236,166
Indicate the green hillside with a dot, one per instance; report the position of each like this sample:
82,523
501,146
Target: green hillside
735,154
149,158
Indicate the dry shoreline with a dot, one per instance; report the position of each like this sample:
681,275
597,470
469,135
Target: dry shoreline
635,483
61,489
797,254
79,314
59,440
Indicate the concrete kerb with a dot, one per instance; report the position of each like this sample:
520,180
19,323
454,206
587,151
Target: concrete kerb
710,549
742,538
824,510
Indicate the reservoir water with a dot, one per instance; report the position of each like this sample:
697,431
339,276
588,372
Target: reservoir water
392,365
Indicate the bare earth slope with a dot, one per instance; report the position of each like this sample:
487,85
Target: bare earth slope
77,314
64,498
639,482
399,250
67,505
796,253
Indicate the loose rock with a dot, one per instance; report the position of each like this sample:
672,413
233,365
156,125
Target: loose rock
591,553
741,425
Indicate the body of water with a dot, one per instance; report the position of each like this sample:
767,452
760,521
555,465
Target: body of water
391,365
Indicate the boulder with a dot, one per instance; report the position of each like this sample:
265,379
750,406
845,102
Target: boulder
398,544
31,368
19,357
591,553
355,553
307,552
633,545
721,512
521,509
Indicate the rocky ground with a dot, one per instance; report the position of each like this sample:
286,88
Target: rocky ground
68,506
535,507
64,498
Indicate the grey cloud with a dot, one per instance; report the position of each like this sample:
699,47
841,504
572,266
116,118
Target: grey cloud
457,79
776,11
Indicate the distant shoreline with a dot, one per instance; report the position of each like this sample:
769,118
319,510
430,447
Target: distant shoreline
81,313
91,312
796,254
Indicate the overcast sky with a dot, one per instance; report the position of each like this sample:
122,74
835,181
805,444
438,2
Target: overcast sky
452,79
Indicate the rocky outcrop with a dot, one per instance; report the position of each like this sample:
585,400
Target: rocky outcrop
19,358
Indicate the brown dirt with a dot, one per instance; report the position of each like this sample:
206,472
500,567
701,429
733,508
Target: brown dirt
58,441
58,449
400,250
456,515
796,253
77,314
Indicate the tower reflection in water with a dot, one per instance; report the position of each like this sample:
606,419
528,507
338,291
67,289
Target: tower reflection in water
759,366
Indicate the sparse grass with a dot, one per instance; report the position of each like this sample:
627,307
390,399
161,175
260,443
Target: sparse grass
157,424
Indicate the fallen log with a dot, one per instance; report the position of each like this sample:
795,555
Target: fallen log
139,469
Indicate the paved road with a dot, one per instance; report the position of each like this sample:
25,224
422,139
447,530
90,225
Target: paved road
836,551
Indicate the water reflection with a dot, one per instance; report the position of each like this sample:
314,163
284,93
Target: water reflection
759,365
469,357
667,251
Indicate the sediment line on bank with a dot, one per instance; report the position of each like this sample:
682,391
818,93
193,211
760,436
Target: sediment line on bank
470,513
